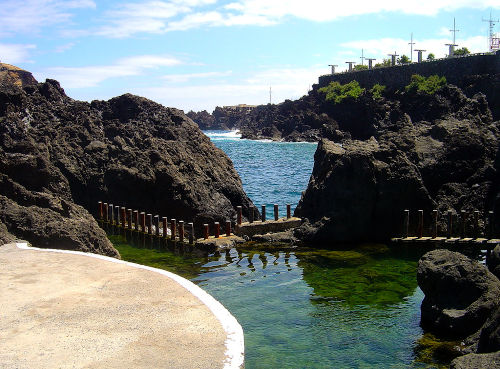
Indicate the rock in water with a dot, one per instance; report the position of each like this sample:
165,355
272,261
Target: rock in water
59,156
494,261
476,361
460,294
405,152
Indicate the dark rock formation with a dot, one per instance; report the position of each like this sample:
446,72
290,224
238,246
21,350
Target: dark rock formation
222,118
460,294
475,361
408,151
59,157
494,261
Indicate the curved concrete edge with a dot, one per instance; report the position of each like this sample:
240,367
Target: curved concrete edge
235,343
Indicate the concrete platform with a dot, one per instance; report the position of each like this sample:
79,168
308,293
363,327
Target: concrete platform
66,309
258,227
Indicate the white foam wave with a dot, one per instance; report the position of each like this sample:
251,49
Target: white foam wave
223,135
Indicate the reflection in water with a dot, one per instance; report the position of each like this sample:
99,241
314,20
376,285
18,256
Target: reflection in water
355,308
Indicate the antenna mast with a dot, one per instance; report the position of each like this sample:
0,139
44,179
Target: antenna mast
454,30
411,43
492,22
270,95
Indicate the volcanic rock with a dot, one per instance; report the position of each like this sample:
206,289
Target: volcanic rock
59,156
475,361
494,261
404,152
460,294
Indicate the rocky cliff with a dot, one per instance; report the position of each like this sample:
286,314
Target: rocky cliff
408,150
59,156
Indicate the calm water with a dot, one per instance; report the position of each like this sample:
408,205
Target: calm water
300,307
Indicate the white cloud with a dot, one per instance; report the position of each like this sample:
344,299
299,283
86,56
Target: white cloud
179,15
30,16
181,78
91,76
15,53
65,47
286,83
326,10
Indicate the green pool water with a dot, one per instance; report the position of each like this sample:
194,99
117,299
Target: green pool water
309,308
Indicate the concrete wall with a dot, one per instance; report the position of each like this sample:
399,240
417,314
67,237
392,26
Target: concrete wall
453,69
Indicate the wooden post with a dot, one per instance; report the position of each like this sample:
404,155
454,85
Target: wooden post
463,216
123,217
129,216
164,223
216,229
434,223
100,210
288,211
250,214
181,230
263,213
172,229
111,213
449,230
205,231
275,211
228,228
136,219
420,228
105,211
406,223
191,233
143,222
476,223
239,214
157,225
117,212
150,223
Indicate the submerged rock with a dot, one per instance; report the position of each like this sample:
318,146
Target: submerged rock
59,156
460,293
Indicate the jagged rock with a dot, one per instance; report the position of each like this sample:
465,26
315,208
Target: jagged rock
5,235
447,157
494,261
489,337
460,293
58,152
475,361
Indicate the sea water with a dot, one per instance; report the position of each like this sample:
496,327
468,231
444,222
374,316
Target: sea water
303,307
272,172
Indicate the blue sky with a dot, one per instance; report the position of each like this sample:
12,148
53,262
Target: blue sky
197,54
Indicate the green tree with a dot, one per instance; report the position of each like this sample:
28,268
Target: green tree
385,63
337,93
431,56
360,67
377,91
427,85
403,60
461,52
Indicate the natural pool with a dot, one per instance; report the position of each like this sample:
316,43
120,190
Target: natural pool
308,308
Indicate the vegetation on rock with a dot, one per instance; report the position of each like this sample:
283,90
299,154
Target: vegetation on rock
429,85
377,90
337,92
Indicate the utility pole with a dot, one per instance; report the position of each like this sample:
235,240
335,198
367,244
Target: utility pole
362,57
270,95
411,43
492,22
393,58
333,67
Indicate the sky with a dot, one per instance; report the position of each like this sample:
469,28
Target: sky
198,54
